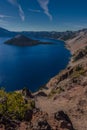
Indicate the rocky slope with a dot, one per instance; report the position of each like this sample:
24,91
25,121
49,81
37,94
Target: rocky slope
67,91
78,42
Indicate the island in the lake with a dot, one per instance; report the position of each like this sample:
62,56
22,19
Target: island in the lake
22,40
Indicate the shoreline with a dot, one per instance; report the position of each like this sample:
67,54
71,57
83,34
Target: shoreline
70,59
45,88
69,46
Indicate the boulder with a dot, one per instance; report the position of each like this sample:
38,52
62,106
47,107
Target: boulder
26,93
28,115
43,94
41,124
64,119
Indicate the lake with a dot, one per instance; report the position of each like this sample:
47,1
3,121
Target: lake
31,67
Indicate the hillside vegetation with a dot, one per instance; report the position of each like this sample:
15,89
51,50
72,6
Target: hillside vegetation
14,107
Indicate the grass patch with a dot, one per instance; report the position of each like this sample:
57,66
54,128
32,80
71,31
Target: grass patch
56,91
79,70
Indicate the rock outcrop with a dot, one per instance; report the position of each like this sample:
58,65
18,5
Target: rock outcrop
64,119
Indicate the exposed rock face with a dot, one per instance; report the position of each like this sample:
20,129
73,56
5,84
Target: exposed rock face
78,42
42,121
41,124
80,54
41,94
62,76
27,93
65,120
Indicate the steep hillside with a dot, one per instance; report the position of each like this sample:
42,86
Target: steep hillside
78,42
67,91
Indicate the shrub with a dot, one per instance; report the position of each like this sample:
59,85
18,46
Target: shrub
13,104
56,91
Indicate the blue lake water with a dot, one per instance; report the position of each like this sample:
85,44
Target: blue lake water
32,66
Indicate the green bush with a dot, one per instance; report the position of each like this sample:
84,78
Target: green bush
14,104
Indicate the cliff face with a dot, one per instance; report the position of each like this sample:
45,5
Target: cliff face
78,42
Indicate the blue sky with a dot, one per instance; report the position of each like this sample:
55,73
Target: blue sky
43,15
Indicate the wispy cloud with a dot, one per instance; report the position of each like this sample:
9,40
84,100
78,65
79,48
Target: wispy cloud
44,5
21,12
33,10
3,22
4,16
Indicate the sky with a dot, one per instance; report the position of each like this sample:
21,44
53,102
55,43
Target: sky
43,15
